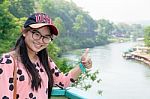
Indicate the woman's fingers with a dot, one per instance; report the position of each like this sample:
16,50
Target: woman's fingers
86,60
85,55
87,63
86,52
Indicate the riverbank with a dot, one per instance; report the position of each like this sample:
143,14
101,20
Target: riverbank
140,54
119,76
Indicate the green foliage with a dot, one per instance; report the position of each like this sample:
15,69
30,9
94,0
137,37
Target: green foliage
126,30
137,30
101,39
104,29
59,24
53,50
63,65
9,27
78,25
86,80
64,43
21,8
104,26
87,43
147,36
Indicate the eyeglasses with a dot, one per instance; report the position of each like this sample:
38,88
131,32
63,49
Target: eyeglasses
36,35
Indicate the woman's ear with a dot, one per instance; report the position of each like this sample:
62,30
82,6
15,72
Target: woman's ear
23,31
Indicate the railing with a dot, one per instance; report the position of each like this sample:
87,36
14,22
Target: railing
72,93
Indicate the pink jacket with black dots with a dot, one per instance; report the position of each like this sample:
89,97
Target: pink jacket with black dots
24,90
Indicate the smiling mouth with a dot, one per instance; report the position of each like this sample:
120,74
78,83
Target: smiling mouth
37,45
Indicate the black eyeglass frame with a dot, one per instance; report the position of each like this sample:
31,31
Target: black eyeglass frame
45,39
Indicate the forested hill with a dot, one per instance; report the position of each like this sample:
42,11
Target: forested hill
77,29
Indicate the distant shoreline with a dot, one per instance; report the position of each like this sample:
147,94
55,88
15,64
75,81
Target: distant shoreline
139,55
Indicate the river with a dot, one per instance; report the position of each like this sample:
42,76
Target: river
121,79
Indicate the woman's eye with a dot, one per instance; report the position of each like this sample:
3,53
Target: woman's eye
37,34
33,32
47,37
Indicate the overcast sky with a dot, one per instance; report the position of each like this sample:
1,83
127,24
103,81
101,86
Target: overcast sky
117,10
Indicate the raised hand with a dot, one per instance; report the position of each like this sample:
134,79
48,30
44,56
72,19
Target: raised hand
86,60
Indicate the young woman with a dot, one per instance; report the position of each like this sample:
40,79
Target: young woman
36,71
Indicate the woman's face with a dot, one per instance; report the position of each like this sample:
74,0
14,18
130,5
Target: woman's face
37,39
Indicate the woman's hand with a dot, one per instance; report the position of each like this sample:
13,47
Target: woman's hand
86,60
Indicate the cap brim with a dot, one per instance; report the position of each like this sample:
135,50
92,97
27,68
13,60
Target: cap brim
53,29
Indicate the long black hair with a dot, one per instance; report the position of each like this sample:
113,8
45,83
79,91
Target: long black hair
30,67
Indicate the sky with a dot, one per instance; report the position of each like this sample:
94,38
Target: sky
117,10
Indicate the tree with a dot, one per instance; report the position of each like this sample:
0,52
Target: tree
137,30
105,27
78,25
9,27
104,30
21,8
75,25
147,36
60,25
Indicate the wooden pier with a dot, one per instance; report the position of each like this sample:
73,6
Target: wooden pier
140,54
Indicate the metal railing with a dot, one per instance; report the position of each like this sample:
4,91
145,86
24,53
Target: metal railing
72,93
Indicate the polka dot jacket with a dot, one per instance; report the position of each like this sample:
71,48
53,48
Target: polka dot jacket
24,90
